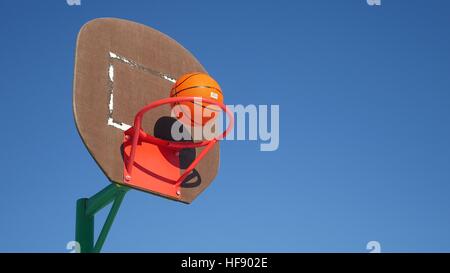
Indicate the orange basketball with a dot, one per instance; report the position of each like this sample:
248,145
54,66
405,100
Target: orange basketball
199,85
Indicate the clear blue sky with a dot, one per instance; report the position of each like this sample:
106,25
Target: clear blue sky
364,153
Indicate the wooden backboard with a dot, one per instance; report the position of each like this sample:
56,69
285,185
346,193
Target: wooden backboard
120,67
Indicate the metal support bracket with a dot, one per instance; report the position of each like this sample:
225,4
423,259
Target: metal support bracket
86,210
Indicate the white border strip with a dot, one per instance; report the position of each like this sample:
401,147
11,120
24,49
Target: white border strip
113,56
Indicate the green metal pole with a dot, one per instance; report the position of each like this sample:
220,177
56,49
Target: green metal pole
84,230
109,221
86,210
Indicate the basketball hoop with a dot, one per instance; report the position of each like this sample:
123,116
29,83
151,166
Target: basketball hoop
138,139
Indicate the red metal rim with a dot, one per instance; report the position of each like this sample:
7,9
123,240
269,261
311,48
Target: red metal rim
142,136
180,145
